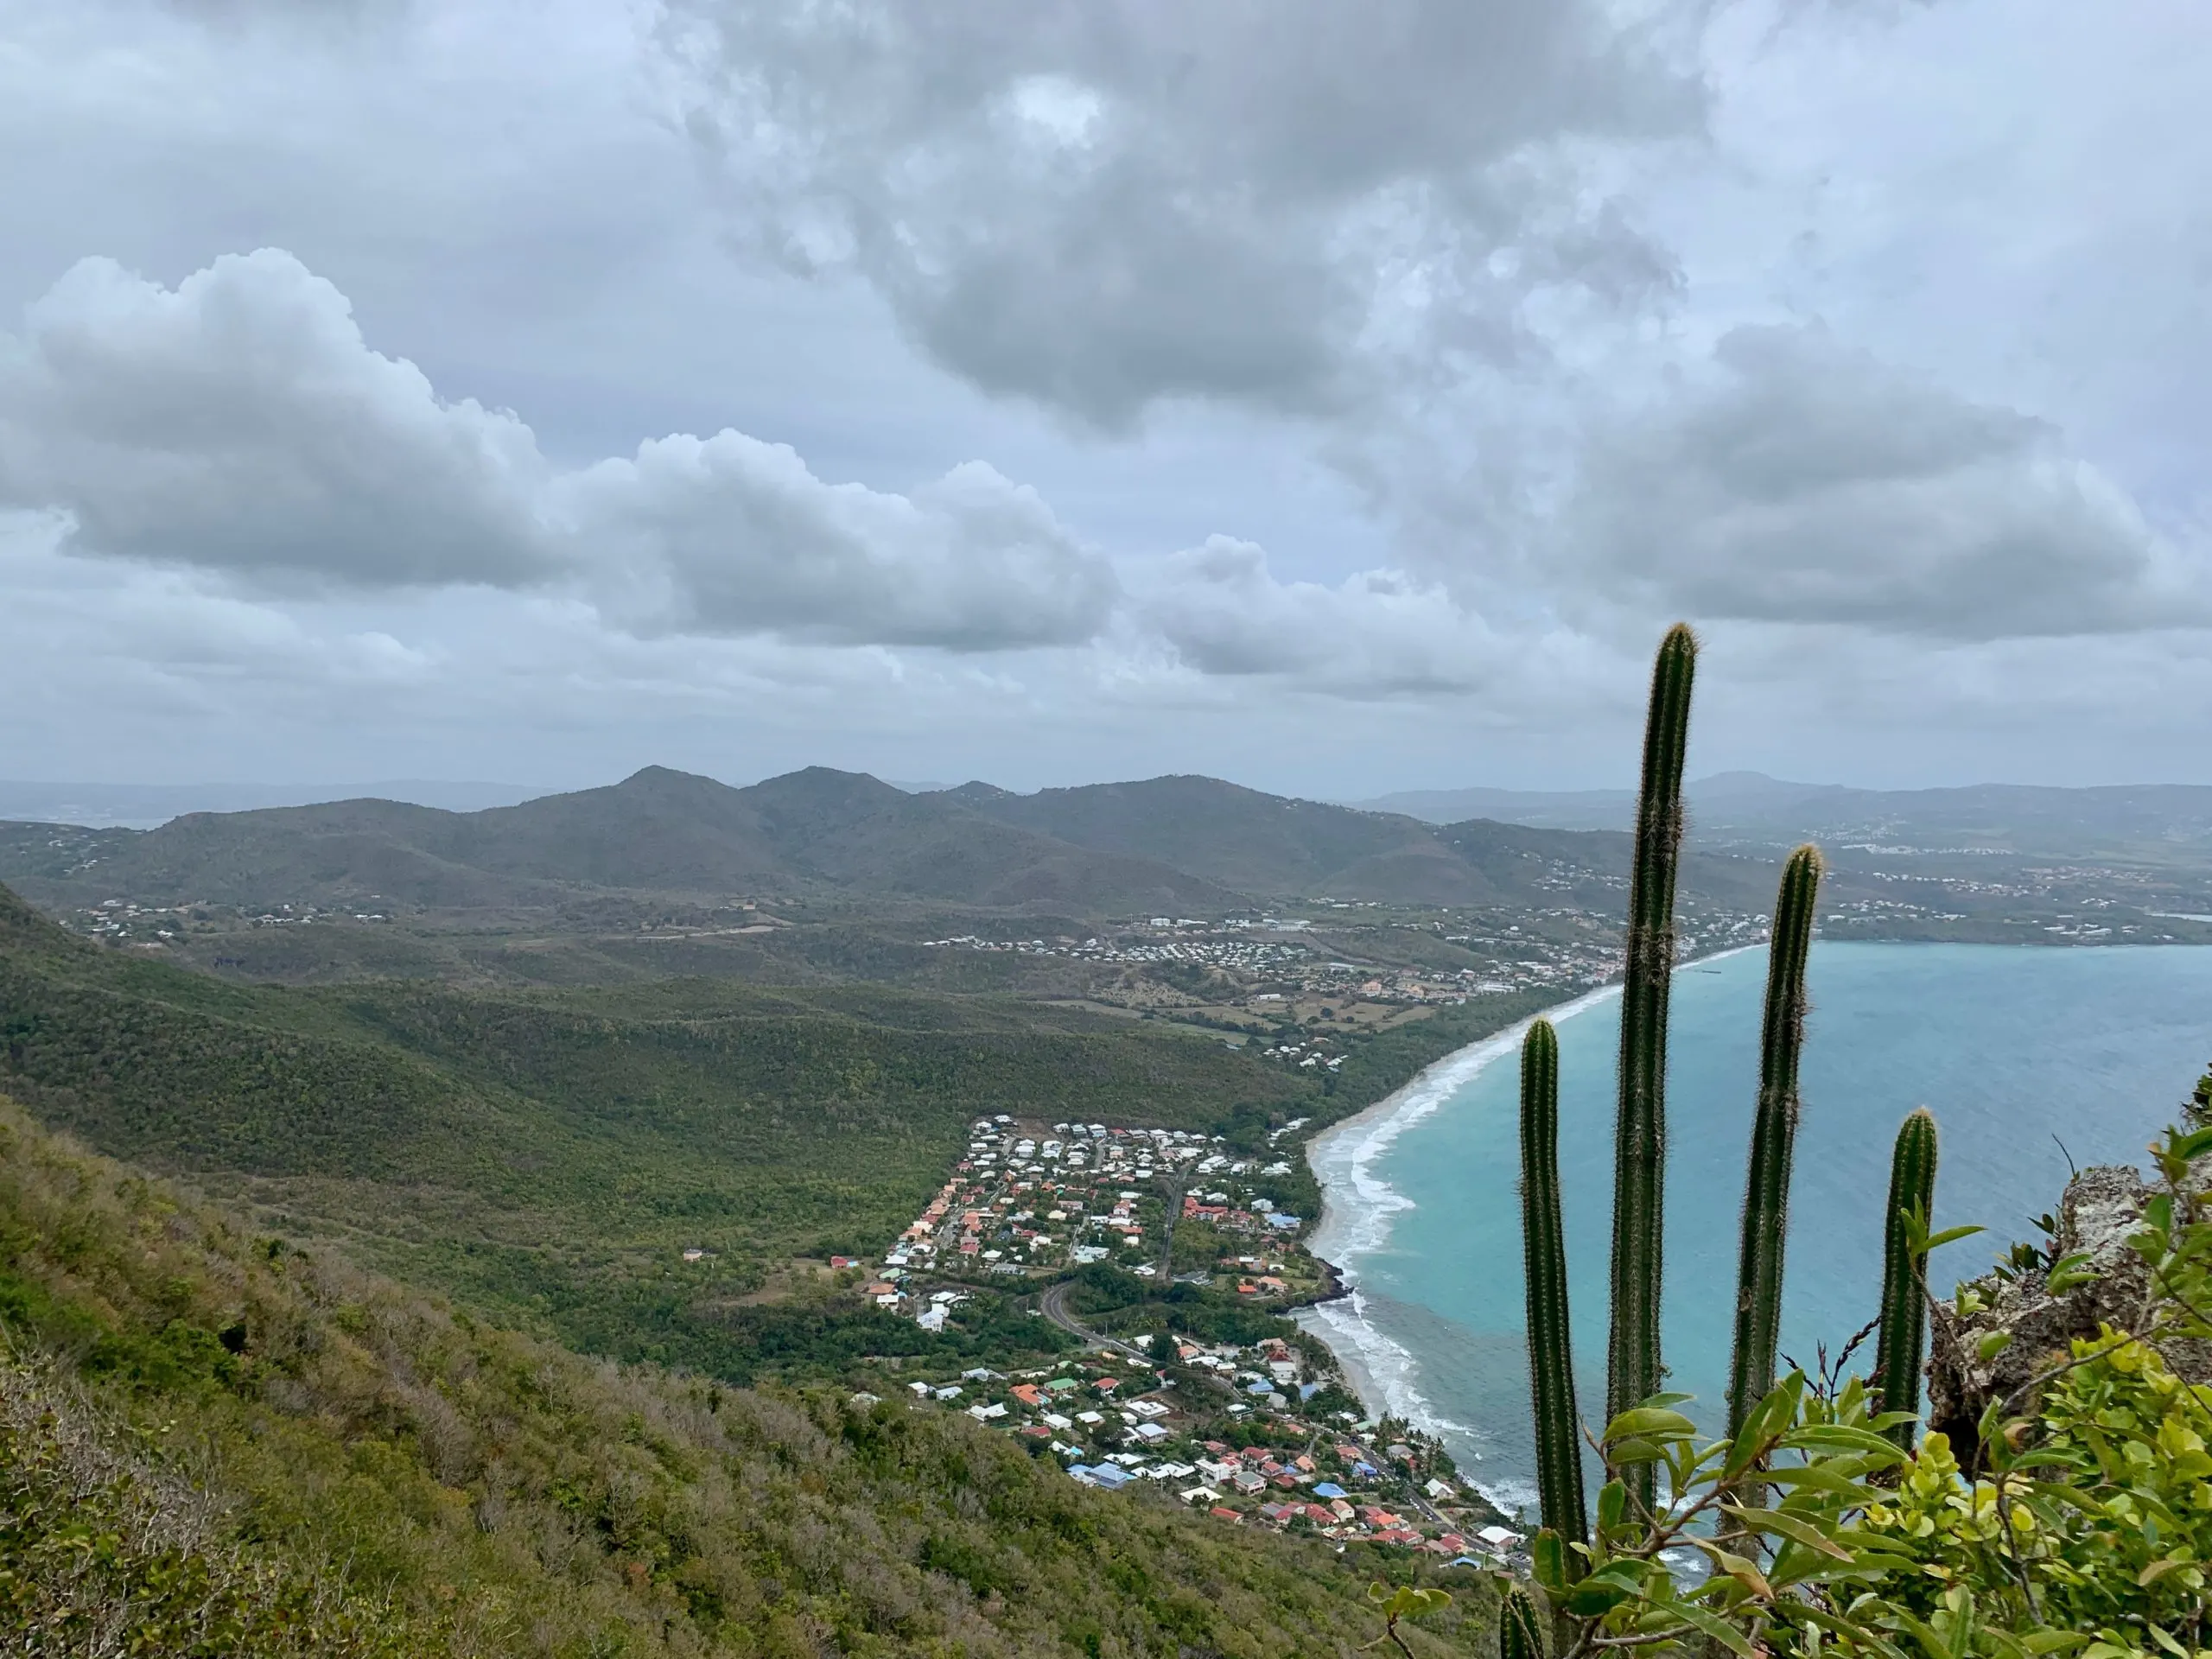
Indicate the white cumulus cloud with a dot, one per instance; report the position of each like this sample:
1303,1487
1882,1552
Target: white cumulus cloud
241,424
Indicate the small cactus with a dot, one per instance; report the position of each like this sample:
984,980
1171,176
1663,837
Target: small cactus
1517,1631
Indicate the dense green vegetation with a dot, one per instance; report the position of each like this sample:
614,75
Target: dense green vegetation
549,1153
215,1443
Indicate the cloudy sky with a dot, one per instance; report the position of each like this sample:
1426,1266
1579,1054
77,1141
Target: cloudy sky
1333,397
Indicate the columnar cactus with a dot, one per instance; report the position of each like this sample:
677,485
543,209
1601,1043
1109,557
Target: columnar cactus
1903,1329
1551,1357
1773,1133
1517,1637
1633,1365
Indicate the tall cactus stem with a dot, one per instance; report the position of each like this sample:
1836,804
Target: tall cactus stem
1633,1367
1903,1329
1551,1354
1774,1134
1517,1637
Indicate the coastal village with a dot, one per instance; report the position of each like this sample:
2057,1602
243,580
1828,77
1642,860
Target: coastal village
1260,1433
1263,966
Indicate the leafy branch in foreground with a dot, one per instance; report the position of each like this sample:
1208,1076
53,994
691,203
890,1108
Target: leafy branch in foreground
2085,1530
1404,1602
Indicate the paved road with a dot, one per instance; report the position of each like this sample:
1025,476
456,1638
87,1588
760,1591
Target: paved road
1053,1304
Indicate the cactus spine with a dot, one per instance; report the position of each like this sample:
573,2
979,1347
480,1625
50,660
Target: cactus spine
1773,1133
1903,1325
1633,1363
1551,1357
1516,1626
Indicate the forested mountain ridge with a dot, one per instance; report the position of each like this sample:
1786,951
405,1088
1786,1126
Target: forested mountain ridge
1179,844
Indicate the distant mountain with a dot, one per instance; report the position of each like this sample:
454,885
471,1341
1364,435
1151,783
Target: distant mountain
142,806
1580,809
657,831
1243,839
1182,845
1741,806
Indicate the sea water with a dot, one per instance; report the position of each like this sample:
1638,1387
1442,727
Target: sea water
2030,1059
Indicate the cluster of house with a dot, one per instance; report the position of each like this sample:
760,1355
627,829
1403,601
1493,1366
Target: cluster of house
1242,954
1112,1426
1215,1210
1023,1198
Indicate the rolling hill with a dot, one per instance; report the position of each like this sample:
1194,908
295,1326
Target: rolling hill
549,1153
656,831
1180,844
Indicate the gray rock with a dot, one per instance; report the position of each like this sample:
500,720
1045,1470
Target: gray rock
2103,1206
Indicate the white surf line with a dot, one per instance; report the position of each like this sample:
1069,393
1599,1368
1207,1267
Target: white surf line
1358,1206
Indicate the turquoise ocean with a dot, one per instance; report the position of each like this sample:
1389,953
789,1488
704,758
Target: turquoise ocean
2027,1056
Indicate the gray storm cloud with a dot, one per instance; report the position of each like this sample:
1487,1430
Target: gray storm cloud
1800,480
1097,205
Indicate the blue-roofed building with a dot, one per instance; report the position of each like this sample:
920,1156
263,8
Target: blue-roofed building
1328,1489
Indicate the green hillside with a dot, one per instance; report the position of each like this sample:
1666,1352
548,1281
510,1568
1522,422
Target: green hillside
550,1154
212,1442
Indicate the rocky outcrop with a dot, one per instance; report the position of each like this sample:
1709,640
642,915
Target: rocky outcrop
2103,1206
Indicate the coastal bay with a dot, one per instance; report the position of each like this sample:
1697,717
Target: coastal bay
2029,1058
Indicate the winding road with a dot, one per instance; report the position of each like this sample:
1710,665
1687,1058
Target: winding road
1053,1305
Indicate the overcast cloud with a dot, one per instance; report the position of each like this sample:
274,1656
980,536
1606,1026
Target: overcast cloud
1332,399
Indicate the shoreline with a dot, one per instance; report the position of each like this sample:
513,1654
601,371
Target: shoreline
1357,1208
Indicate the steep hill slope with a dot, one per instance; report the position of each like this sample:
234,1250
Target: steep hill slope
543,1154
212,1443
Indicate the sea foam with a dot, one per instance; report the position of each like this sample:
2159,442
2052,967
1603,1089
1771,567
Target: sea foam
1358,1209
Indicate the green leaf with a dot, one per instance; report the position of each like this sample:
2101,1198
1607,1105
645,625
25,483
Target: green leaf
1817,1477
1600,1593
1789,1526
1951,1236
1640,1422
1842,1437
2068,1272
1613,1505
1992,1343
1711,1625
1735,1566
1764,1422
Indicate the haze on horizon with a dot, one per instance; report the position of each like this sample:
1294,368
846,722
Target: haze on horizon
1338,401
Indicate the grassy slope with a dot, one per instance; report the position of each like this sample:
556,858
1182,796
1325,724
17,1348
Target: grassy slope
548,1153
205,1432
